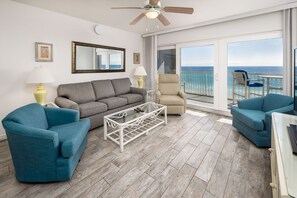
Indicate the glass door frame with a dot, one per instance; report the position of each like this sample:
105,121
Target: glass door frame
215,44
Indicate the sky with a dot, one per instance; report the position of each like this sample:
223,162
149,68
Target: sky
266,52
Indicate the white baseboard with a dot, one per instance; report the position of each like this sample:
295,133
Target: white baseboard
209,110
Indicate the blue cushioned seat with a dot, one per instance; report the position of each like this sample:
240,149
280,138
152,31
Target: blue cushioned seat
45,143
71,136
252,117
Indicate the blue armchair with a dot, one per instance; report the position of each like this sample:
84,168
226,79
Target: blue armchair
45,143
252,117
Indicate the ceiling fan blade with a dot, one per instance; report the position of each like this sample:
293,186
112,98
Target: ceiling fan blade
154,2
137,19
117,8
181,10
163,20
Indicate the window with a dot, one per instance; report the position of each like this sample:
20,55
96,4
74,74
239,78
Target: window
166,61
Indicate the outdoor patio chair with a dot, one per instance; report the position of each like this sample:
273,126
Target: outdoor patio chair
241,79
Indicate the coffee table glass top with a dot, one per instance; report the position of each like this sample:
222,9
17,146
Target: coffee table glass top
134,112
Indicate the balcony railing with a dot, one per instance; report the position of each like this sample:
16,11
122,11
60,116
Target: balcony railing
200,85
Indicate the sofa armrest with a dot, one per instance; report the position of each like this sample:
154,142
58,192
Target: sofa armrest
58,116
158,96
268,115
140,91
66,103
252,103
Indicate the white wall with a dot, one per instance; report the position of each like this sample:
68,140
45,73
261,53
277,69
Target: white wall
21,26
250,25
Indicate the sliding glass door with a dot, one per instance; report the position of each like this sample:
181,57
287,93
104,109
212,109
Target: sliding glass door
197,72
217,74
259,63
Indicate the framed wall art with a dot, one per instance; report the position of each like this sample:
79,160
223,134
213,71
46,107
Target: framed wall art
136,58
43,52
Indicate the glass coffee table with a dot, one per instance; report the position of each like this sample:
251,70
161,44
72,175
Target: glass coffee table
129,124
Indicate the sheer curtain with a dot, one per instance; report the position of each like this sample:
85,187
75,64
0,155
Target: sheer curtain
290,42
150,61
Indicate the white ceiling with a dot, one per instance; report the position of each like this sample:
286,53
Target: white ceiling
99,11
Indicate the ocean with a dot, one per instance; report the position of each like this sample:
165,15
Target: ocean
200,79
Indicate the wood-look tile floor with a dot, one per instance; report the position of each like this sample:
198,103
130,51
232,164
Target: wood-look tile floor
195,155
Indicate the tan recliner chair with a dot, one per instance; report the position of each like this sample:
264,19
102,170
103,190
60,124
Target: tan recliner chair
169,94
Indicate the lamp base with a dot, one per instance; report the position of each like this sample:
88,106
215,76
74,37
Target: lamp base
40,94
140,81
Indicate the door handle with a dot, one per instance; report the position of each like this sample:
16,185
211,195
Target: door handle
217,77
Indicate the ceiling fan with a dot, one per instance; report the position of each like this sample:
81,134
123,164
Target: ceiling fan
153,10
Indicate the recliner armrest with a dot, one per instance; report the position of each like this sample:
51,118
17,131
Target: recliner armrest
252,103
66,103
158,96
58,116
182,94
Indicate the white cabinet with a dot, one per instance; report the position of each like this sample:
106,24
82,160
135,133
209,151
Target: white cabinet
283,161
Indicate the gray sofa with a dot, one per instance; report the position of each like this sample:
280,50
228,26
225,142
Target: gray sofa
98,98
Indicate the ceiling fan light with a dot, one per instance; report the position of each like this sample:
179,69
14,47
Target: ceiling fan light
152,13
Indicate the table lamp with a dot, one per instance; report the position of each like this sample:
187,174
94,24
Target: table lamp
40,75
140,72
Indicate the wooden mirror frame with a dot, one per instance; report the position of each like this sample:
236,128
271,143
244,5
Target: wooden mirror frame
75,71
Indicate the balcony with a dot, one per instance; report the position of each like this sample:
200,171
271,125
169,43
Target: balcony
199,85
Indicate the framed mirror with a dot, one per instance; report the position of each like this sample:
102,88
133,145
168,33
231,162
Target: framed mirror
93,58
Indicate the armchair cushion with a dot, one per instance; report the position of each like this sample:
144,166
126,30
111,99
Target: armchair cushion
92,108
71,136
114,102
172,100
132,98
121,86
253,118
275,101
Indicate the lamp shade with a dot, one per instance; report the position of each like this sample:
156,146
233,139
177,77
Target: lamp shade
40,75
140,71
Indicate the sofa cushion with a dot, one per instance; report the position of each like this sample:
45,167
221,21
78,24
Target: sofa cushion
77,92
132,98
275,101
252,118
91,108
171,100
103,89
121,86
114,102
71,136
